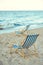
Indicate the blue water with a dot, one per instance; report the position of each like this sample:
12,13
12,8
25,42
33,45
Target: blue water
12,21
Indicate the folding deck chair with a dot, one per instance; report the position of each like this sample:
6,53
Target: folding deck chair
30,40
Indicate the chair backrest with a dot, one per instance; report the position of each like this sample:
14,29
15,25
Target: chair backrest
30,40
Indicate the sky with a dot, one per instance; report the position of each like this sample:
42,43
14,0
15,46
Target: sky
21,4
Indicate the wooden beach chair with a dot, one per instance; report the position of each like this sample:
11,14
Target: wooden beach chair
30,40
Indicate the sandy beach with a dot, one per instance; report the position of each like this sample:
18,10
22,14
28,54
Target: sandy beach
7,52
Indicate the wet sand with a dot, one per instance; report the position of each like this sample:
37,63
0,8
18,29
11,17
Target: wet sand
32,56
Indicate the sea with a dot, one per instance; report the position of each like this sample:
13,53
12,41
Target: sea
14,21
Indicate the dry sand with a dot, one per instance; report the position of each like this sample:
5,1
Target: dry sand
8,55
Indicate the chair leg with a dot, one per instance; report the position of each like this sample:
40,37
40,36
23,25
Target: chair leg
22,53
35,50
16,51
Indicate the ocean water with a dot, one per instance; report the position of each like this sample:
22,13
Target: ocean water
11,21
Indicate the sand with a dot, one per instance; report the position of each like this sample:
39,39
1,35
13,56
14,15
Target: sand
32,56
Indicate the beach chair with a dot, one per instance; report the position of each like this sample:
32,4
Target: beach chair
30,40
